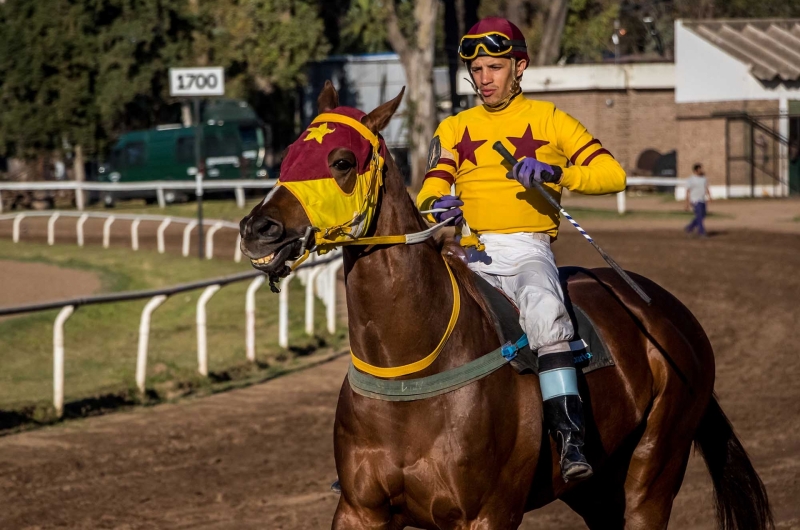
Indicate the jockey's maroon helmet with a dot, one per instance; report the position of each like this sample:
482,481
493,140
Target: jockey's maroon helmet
494,36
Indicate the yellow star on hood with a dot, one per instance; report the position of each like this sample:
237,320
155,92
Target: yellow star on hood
317,133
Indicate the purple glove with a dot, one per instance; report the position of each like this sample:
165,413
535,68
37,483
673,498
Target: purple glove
453,204
531,169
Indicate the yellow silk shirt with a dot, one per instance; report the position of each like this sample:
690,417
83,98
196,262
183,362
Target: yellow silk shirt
461,153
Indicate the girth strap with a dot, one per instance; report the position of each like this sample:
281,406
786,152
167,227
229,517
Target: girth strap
437,384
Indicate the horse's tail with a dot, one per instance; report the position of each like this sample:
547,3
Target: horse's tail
740,496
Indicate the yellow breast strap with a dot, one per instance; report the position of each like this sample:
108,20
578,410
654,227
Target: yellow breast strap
420,365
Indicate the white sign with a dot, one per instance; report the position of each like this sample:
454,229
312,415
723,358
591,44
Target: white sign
207,81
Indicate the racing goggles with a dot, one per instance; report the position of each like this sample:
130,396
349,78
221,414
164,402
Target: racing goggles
494,44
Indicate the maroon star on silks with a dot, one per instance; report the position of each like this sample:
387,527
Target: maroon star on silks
526,145
466,148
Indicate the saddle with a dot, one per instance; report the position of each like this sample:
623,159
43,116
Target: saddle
589,351
588,348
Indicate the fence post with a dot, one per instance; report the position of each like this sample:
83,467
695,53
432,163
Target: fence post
237,253
312,276
250,317
1,201
332,284
239,192
79,227
621,202
283,312
210,239
135,234
51,228
187,232
202,346
107,231
160,233
162,202
58,358
15,230
144,335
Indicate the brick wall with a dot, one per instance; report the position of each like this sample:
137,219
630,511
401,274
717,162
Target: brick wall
702,139
627,122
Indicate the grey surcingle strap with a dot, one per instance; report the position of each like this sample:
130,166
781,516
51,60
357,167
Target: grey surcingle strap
437,384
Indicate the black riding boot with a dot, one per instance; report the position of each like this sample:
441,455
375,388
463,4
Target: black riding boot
563,416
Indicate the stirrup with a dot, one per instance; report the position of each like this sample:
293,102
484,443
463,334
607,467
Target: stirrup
336,487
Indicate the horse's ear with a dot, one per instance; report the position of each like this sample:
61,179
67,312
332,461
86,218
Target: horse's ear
328,99
379,118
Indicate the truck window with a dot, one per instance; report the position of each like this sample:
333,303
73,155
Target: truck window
135,154
218,143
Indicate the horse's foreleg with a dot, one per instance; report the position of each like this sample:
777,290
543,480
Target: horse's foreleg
349,517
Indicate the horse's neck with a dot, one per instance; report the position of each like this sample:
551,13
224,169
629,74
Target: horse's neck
398,298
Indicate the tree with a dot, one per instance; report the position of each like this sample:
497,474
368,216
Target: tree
416,51
265,44
76,72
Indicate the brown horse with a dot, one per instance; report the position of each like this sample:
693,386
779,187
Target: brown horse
477,457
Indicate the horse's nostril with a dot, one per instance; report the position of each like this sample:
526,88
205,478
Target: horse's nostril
263,228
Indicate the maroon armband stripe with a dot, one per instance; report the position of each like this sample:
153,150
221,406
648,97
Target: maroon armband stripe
598,152
439,174
574,157
447,162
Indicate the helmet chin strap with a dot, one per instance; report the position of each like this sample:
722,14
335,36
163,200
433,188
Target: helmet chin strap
516,90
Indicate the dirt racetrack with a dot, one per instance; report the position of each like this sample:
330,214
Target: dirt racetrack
261,457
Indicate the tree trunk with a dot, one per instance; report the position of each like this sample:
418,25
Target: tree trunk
417,59
80,176
550,46
515,12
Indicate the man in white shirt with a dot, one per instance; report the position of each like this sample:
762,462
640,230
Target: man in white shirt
697,195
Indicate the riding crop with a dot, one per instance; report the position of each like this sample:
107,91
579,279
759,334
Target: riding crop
500,148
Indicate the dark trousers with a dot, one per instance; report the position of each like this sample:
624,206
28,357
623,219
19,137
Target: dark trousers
697,222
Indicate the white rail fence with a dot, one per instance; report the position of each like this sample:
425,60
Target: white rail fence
160,187
649,181
214,225
318,276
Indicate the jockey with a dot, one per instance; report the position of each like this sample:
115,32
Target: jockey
514,224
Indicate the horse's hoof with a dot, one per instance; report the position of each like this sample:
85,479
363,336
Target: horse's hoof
577,471
336,487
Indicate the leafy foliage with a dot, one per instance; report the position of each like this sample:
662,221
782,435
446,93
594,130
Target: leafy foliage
265,44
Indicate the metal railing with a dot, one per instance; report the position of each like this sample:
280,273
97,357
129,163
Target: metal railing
318,275
163,220
158,185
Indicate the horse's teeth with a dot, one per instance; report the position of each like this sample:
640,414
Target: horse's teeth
264,260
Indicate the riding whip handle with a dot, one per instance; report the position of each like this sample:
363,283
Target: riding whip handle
500,148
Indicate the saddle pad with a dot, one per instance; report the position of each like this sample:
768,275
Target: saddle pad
589,350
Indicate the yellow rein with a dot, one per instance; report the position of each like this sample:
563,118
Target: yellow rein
420,365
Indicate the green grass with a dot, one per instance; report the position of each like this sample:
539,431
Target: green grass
101,340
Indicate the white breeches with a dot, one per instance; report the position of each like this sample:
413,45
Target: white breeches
523,266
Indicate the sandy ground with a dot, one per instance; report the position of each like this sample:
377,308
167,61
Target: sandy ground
27,282
261,457
770,215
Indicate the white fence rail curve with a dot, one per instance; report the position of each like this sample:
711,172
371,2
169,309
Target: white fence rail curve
328,265
164,220
158,185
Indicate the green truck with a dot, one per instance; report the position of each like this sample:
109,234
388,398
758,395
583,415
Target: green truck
236,145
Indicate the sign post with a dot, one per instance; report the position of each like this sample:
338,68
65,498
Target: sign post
197,83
